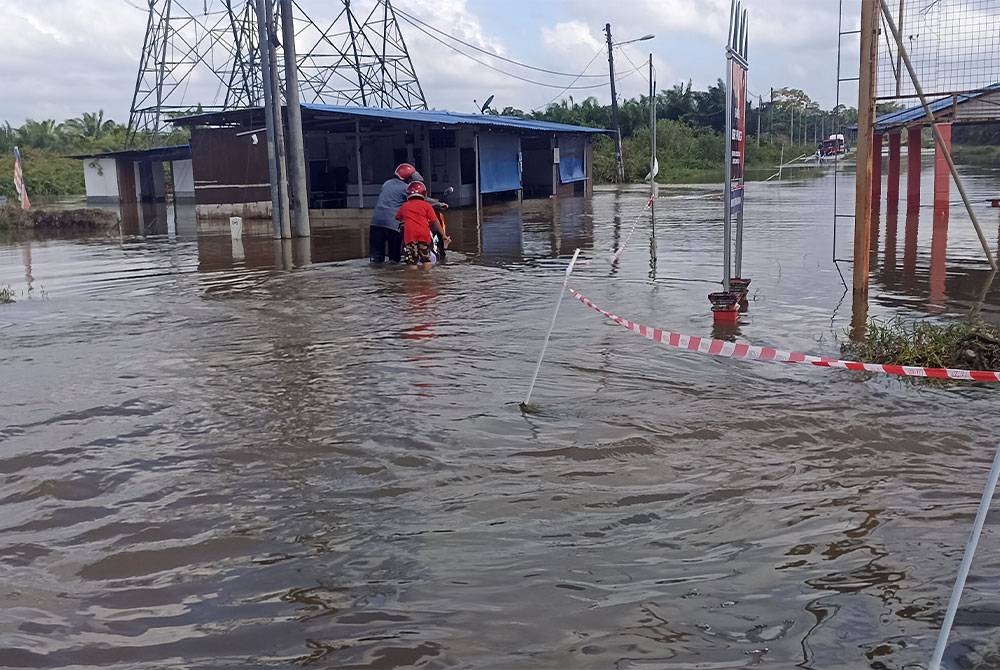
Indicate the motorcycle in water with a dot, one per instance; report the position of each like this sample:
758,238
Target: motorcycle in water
439,246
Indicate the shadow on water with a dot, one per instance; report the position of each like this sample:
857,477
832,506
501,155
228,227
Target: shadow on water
261,453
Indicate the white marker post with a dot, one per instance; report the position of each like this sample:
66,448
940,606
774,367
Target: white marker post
963,571
555,314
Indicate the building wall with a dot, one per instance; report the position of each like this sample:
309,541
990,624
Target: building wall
228,170
183,178
101,178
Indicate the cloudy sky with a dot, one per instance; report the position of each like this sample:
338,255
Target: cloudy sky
64,57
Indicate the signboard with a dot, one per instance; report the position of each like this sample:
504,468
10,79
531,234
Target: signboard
737,136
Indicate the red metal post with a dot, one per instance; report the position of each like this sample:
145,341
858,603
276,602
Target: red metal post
892,188
877,173
913,169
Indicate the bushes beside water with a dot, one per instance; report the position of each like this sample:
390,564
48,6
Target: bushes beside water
950,345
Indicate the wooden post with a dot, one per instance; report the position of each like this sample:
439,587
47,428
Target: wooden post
866,121
913,169
892,189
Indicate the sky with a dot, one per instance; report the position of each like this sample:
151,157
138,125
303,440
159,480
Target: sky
65,57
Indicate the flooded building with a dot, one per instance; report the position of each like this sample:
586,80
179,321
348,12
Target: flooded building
351,151
138,175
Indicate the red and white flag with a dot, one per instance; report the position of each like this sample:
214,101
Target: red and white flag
22,190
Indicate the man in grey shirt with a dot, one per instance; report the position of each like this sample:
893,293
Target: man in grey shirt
385,238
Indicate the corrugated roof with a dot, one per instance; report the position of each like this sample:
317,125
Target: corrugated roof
434,117
453,118
170,153
907,116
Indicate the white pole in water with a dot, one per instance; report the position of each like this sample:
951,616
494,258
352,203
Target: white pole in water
545,344
963,571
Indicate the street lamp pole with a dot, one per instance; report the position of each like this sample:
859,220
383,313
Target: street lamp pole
619,162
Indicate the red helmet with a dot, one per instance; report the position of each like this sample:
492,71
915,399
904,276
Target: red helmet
404,171
416,190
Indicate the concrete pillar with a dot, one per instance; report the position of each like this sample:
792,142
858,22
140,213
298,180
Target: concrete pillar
939,234
910,243
913,169
892,187
876,173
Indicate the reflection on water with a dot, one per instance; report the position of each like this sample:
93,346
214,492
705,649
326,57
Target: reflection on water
268,453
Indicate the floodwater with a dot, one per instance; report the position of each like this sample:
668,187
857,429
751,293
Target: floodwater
268,455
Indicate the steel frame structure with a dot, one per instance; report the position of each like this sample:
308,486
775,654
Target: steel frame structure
348,61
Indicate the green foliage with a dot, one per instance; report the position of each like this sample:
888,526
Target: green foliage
44,145
952,345
690,127
45,172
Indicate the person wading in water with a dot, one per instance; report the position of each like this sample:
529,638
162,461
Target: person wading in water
385,238
418,218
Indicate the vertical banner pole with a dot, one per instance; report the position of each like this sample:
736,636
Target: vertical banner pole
727,225
555,314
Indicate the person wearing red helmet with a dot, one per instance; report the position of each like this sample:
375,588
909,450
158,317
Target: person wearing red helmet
384,235
418,218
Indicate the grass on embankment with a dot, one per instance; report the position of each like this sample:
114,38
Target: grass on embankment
13,218
980,156
963,344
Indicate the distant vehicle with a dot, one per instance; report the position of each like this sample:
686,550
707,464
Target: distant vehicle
833,146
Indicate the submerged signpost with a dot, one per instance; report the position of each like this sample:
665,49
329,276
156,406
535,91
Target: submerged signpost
728,303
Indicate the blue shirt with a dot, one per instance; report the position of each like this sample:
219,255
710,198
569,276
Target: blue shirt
390,199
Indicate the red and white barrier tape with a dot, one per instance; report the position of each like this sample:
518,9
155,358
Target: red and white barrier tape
707,345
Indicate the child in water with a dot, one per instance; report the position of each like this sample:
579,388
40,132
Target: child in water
418,219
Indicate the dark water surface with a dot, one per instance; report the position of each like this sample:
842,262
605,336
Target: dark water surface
273,456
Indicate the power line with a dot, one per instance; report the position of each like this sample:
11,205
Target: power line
496,69
582,73
414,19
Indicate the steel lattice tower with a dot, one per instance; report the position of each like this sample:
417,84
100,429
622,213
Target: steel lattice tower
208,59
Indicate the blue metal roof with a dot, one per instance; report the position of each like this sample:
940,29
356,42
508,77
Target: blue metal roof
452,118
907,116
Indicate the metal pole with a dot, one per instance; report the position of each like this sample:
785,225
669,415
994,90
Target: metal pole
296,146
357,153
272,165
941,145
619,160
479,202
866,123
963,571
727,220
652,130
552,325
279,126
899,57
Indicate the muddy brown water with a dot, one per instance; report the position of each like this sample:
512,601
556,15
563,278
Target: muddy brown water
277,455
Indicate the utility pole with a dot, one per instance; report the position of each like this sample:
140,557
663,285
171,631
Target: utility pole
760,110
272,156
619,161
296,146
268,52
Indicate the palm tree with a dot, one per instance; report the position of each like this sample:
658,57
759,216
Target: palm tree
8,137
90,126
41,134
